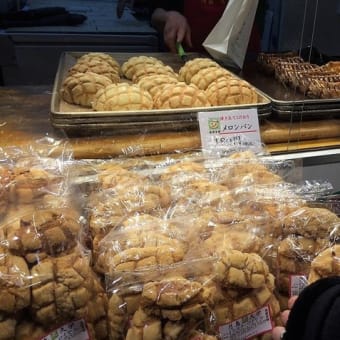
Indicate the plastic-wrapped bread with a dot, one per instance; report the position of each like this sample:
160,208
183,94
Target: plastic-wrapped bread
224,237
310,222
191,67
228,91
196,195
132,246
96,66
28,184
130,66
122,97
65,289
116,176
80,88
5,179
14,283
180,95
243,174
203,78
204,293
306,232
294,258
325,264
41,233
109,209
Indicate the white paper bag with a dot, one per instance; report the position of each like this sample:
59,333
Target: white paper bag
228,40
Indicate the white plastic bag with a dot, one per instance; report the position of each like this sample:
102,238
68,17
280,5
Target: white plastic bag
228,40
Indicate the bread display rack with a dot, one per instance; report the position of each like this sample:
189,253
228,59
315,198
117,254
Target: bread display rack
288,102
74,119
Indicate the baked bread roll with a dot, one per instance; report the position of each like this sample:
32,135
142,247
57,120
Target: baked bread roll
203,78
131,246
191,67
8,325
154,83
180,95
37,234
100,56
14,284
122,97
5,179
80,88
65,289
96,66
148,70
130,66
311,222
245,174
31,183
294,257
229,91
325,264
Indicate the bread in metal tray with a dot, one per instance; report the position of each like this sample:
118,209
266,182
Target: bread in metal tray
156,69
204,77
96,66
101,56
80,88
229,91
191,67
153,83
180,95
122,97
130,66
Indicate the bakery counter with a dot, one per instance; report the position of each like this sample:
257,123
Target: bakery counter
25,118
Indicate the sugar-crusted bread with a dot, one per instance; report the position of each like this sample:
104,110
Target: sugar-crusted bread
180,95
122,97
191,67
229,91
80,88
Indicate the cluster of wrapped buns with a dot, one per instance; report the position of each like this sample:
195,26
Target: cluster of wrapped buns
169,249
99,82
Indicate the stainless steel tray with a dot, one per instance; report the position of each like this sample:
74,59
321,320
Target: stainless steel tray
288,103
73,117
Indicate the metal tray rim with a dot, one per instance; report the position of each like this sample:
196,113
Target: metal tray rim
58,79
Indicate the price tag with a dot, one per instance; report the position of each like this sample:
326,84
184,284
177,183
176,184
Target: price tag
249,326
75,330
296,284
229,128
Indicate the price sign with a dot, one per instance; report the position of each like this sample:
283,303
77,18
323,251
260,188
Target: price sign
229,128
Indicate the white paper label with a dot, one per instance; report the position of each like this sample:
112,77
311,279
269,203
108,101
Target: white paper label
296,284
248,326
75,330
229,128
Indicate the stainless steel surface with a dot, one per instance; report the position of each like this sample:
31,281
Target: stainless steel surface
72,117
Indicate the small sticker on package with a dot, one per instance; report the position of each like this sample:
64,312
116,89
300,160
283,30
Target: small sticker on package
248,326
296,284
75,330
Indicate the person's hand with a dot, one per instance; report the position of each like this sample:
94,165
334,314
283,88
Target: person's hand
176,29
279,331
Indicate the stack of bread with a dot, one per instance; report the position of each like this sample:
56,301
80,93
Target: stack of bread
146,82
307,232
46,278
182,248
310,79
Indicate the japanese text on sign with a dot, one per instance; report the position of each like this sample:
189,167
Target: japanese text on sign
248,326
234,127
75,330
